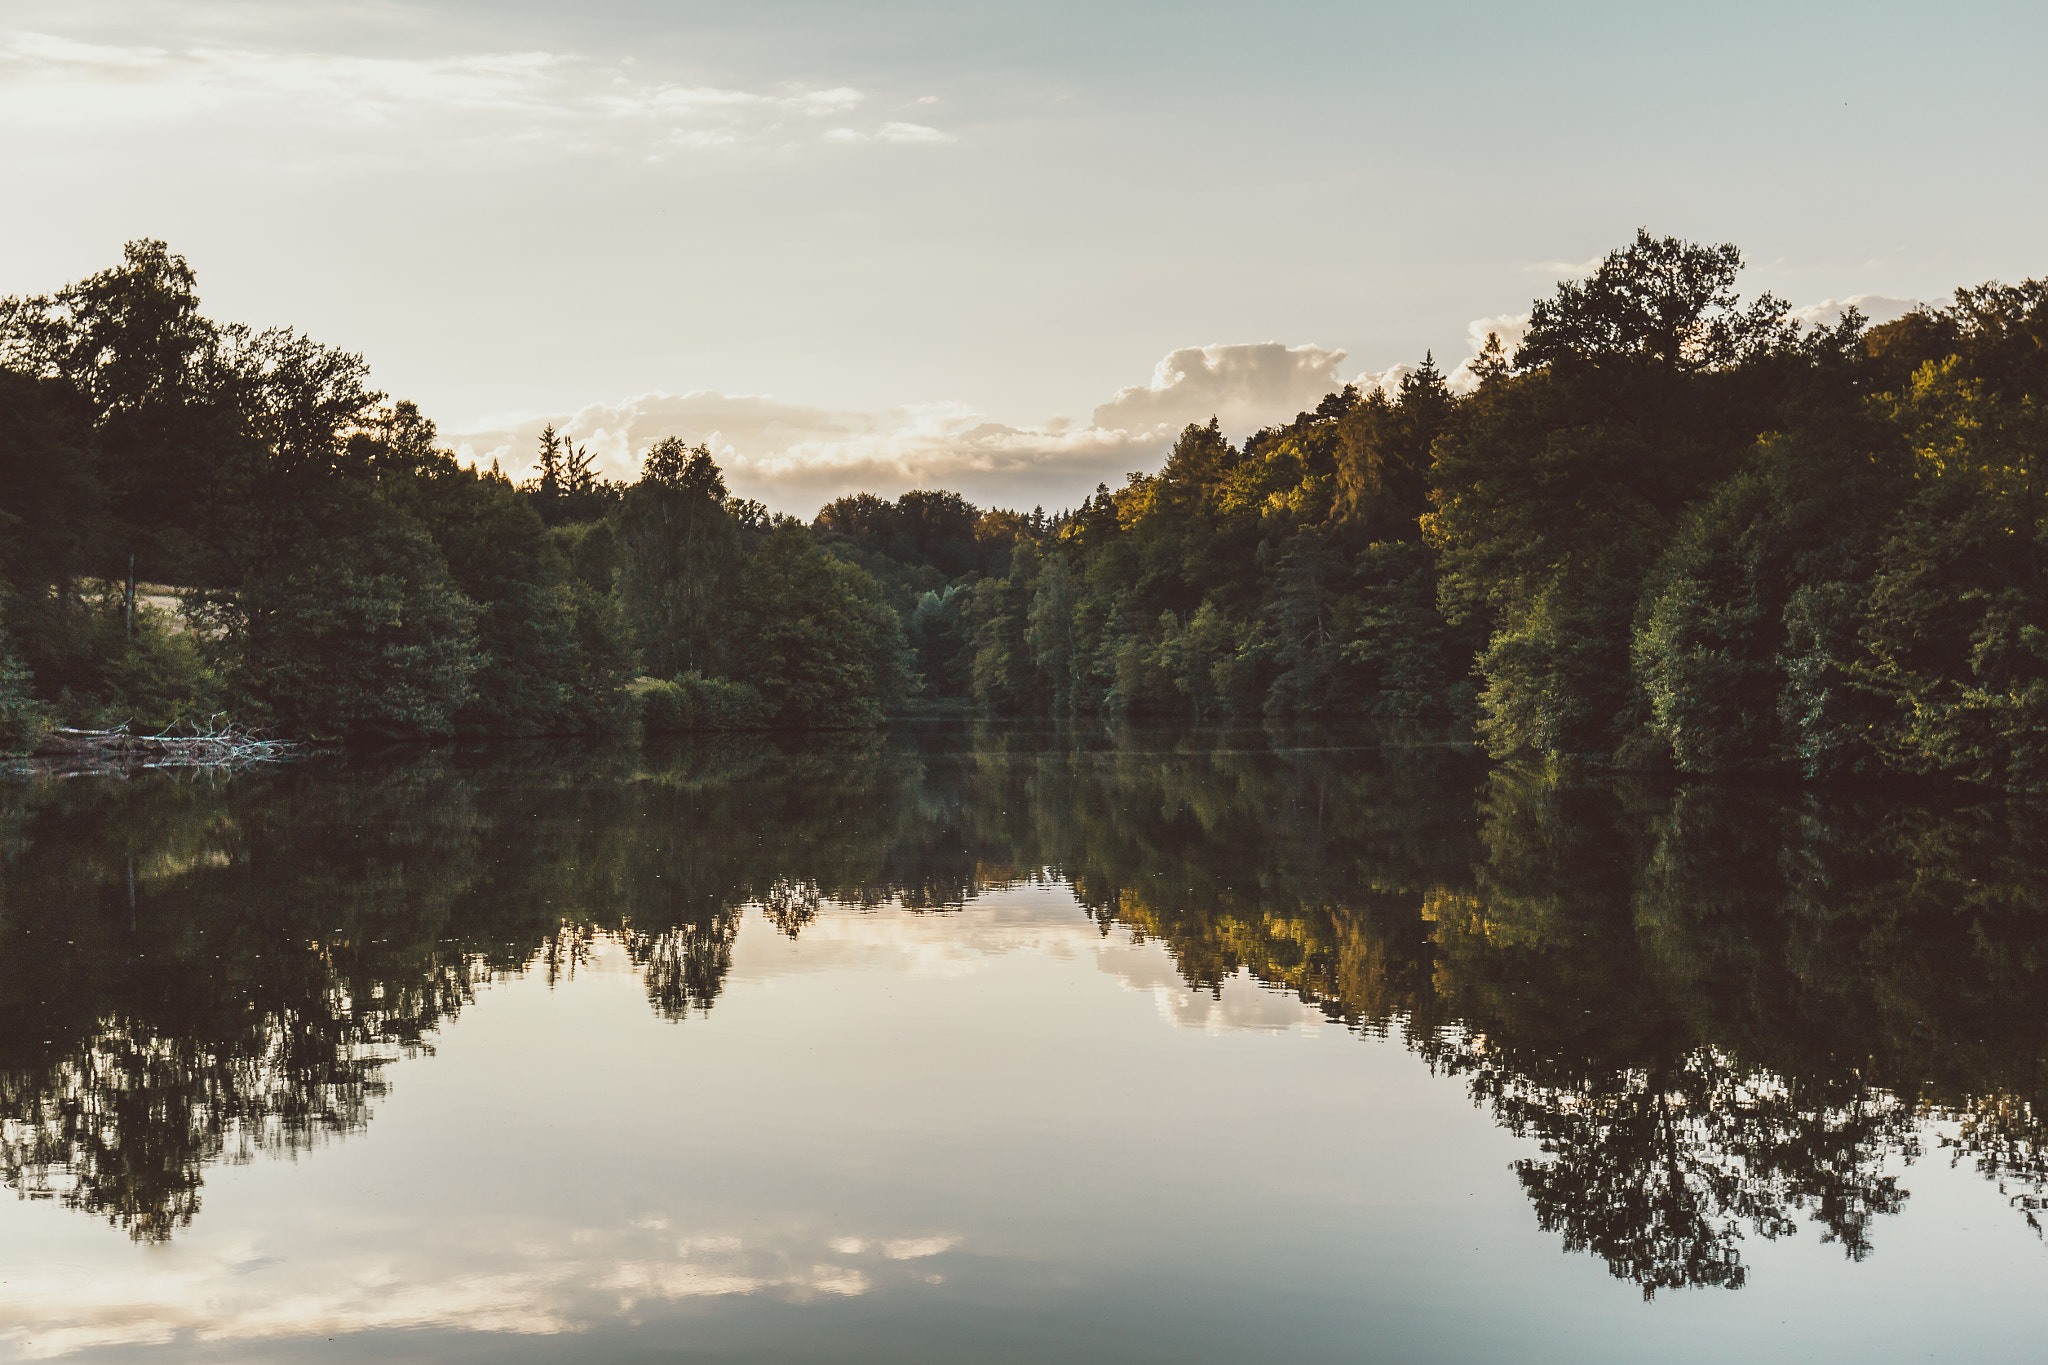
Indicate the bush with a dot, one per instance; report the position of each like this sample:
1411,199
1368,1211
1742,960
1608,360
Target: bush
23,719
692,702
75,654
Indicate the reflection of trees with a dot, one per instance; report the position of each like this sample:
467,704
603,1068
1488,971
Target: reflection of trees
1658,1172
177,986
684,965
127,1119
222,970
2006,1141
1303,866
1719,1013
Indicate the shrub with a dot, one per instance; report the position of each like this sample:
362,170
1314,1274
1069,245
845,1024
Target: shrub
22,718
693,702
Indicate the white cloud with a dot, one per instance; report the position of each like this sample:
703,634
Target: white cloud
521,1275
839,97
912,132
1511,328
1568,269
1244,387
917,1248
510,100
1876,308
1387,381
794,457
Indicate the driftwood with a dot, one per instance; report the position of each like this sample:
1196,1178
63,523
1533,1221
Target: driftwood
216,745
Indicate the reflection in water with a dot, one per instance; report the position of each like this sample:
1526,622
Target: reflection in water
1719,1012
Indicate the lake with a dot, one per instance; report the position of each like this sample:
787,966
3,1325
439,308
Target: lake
985,1043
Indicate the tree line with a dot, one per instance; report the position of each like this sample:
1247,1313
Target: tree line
325,568
1673,528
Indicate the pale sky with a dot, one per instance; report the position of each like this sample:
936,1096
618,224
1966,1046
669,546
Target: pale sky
1000,248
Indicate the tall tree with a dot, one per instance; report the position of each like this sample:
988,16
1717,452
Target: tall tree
679,560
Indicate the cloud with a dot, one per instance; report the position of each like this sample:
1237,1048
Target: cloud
1244,387
912,132
830,101
1238,1003
1387,381
523,1275
512,100
1511,328
1876,308
1567,269
795,457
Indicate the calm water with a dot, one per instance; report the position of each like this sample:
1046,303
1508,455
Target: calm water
1016,1045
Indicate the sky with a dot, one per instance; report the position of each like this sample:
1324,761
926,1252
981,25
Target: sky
1007,249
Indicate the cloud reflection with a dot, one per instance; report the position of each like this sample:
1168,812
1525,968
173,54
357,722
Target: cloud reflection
525,1282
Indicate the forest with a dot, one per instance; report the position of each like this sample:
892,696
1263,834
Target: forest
1672,530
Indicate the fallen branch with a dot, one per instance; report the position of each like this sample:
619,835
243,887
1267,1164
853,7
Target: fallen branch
218,744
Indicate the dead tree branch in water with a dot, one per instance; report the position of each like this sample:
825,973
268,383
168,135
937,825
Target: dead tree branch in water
217,744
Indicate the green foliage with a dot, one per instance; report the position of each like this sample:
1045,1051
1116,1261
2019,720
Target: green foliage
1955,630
94,665
1672,528
1384,453
1002,671
358,632
1658,300
938,642
337,556
592,551
553,651
817,642
938,529
1561,487
566,490
693,702
22,719
1412,663
1708,649
678,561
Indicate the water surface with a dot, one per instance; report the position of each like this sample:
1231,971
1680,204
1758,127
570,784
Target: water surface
1016,1044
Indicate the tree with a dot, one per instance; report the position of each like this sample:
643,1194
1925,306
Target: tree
554,653
300,399
679,559
357,632
21,719
816,639
938,644
1636,391
127,338
1658,300
1384,453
